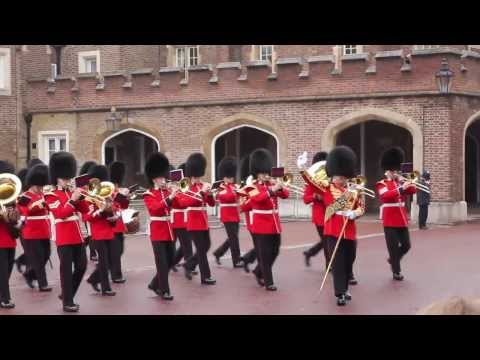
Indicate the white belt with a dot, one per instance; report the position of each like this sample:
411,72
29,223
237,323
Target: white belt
197,208
341,213
173,211
159,218
71,218
44,217
229,205
400,204
256,211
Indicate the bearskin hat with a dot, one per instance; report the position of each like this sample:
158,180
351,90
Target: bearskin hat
195,165
86,167
22,174
341,161
62,166
37,175
117,172
99,172
319,156
227,167
34,162
392,159
261,161
157,166
6,167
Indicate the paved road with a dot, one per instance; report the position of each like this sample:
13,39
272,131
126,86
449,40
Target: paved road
443,262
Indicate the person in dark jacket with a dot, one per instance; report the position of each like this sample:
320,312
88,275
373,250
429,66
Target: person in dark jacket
423,200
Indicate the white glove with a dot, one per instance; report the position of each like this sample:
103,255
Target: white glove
351,214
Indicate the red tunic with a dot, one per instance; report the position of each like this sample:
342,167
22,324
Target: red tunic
393,211
228,200
197,217
158,206
35,215
178,212
334,225
121,203
246,207
66,214
101,227
318,207
264,214
6,239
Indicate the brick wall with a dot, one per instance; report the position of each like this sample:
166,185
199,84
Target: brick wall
110,57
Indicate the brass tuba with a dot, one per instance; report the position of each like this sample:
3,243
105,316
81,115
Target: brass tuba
316,175
10,189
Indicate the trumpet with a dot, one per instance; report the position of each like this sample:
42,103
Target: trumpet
10,189
286,181
358,183
413,178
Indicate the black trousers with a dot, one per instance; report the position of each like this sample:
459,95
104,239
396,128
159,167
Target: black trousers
76,256
268,248
342,265
7,259
321,245
115,259
185,250
250,256
398,244
202,242
104,250
38,252
231,243
164,252
422,215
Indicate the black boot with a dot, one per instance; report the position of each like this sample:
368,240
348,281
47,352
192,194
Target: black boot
352,280
217,260
167,296
71,308
209,281
341,300
187,272
156,291
7,304
307,259
108,293
94,285
271,288
45,289
397,276
348,296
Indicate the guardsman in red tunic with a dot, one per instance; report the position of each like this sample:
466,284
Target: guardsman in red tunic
121,201
158,201
36,224
393,194
9,224
67,206
266,227
178,215
310,196
86,226
229,214
102,218
342,207
197,218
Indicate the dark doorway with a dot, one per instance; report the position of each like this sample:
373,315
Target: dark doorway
131,148
239,143
369,140
472,152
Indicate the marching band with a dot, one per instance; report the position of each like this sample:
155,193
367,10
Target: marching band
49,203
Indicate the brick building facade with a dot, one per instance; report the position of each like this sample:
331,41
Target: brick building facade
234,98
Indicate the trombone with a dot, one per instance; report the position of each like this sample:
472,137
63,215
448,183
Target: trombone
98,192
10,189
184,187
358,183
413,178
286,180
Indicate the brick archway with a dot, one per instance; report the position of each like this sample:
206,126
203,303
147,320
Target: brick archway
332,130
469,122
237,121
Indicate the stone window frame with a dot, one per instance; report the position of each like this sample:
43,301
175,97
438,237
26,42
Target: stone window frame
426,47
352,49
83,56
187,56
5,53
256,54
42,144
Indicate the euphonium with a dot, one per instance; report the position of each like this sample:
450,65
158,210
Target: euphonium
10,189
316,175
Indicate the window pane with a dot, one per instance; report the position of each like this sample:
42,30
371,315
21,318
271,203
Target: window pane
3,71
63,144
51,144
180,57
93,66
